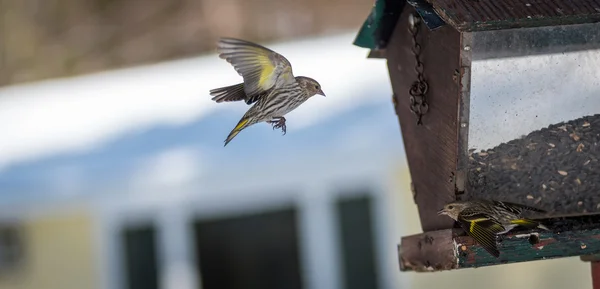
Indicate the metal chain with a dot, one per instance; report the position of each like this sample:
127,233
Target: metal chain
418,90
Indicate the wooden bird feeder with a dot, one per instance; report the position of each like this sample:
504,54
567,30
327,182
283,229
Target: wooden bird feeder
496,99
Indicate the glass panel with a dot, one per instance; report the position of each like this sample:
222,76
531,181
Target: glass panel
534,129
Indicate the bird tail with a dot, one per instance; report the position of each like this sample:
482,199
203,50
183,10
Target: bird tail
229,93
242,124
531,224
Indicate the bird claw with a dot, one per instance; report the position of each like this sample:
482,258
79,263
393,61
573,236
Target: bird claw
279,124
283,129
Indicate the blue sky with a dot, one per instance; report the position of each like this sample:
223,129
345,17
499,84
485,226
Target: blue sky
158,122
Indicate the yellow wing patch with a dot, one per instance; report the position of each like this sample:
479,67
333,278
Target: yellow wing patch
259,66
257,59
473,226
493,227
486,223
266,74
485,237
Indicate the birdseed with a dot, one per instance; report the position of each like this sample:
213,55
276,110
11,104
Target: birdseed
555,168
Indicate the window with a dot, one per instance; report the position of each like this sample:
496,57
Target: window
140,258
356,237
249,252
11,247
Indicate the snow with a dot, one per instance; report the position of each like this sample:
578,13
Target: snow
82,113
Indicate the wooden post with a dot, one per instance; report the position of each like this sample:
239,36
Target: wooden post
431,148
594,260
595,274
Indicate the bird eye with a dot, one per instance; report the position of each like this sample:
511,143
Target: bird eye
450,207
316,87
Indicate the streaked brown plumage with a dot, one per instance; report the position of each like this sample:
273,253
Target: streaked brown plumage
484,220
268,83
276,104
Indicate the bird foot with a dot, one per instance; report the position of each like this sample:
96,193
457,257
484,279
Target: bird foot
279,123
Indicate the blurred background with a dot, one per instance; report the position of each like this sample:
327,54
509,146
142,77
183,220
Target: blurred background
113,172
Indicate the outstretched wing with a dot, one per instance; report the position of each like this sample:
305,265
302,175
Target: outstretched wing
260,67
483,230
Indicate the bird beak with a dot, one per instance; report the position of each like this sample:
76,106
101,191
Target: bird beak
441,212
321,92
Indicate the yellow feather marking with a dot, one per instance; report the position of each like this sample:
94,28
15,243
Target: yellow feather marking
492,227
241,124
484,237
266,66
472,228
474,221
266,72
521,222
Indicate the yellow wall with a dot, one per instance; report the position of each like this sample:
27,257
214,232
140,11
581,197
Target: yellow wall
58,255
546,274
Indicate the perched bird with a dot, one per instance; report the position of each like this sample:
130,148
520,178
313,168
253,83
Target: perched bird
484,220
268,82
277,103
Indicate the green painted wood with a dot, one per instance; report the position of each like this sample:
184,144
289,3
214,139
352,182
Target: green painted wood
570,236
517,248
451,249
377,29
366,36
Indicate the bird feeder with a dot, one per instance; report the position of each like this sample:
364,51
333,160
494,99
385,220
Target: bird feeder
496,100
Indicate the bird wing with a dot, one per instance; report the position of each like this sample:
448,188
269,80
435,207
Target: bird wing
517,208
234,93
260,67
483,229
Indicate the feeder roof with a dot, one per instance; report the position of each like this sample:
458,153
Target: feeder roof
483,15
476,15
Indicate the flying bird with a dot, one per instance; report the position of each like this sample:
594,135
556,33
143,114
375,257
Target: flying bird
484,220
269,83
